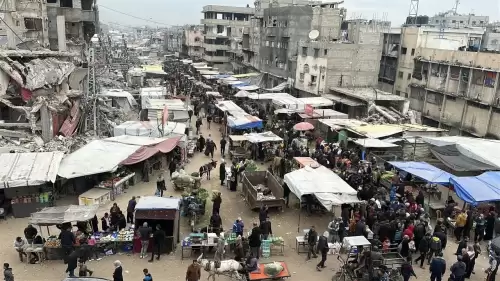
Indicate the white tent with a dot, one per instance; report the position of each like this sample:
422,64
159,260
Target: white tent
328,187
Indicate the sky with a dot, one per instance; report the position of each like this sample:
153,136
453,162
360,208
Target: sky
180,12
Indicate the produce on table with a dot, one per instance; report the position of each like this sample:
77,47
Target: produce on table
53,243
250,166
273,269
278,241
387,175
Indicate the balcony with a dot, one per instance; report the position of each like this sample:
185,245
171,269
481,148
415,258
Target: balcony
216,58
88,16
215,22
70,14
215,47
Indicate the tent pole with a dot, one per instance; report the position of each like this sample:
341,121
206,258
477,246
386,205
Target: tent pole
300,211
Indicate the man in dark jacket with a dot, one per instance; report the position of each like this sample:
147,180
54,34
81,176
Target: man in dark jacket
266,229
7,272
360,228
223,144
72,262
312,238
263,213
29,233
434,247
145,232
458,269
323,250
158,238
438,267
442,236
131,209
407,270
418,233
423,248
254,240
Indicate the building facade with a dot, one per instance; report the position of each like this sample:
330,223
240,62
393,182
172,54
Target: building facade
27,22
71,23
453,20
192,41
223,29
429,37
389,60
457,90
353,61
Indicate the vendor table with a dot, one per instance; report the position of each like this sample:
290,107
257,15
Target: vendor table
37,249
261,276
434,207
203,246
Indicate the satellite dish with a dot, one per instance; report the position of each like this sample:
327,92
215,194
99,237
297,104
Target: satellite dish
313,35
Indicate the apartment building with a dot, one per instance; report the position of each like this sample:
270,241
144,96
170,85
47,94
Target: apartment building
27,21
453,20
353,61
389,60
457,90
192,41
71,23
430,37
223,28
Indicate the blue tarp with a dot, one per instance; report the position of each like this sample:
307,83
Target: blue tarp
424,171
244,122
482,188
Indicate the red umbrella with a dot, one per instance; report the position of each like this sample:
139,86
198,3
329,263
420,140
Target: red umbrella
303,126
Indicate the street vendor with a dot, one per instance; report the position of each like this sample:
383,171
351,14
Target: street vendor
29,233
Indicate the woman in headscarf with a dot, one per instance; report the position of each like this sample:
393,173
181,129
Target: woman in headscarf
222,171
118,273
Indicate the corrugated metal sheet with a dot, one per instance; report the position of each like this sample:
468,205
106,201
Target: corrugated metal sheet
23,169
62,214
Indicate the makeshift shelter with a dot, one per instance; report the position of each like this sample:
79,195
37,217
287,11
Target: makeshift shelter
243,122
120,99
478,189
373,143
149,129
262,137
147,94
63,214
325,185
424,171
163,212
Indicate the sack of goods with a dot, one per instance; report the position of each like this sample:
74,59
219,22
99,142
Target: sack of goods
273,269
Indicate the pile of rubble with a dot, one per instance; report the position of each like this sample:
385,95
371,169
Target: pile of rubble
36,144
382,115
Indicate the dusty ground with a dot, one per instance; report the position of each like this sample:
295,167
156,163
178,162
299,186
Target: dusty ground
285,224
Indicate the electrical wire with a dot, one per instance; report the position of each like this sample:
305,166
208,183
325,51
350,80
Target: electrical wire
135,17
8,26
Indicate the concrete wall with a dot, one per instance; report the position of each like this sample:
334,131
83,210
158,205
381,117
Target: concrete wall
308,67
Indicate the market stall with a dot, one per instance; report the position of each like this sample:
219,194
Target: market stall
262,188
65,216
164,212
479,189
301,162
115,184
237,147
27,181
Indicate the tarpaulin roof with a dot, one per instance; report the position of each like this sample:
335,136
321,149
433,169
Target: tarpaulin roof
373,143
146,151
482,188
157,203
262,137
483,150
63,214
243,122
316,101
242,94
247,88
424,171
228,105
28,169
327,186
306,161
451,157
149,129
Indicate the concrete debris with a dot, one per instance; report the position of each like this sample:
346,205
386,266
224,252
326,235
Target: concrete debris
36,144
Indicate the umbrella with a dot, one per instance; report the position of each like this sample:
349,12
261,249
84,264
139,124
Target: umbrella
303,126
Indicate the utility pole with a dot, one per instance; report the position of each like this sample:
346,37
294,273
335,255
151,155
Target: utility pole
92,87
413,13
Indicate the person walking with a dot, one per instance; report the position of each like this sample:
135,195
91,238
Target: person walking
254,240
209,120
423,248
159,239
437,267
145,233
72,263
160,185
7,272
266,228
312,238
407,270
193,272
118,273
223,144
434,248
147,275
130,210
458,270
222,172
323,250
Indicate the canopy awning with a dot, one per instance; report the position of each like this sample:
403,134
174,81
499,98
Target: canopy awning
424,171
321,182
29,169
482,188
157,203
215,94
63,214
145,152
263,137
247,88
451,157
373,143
244,122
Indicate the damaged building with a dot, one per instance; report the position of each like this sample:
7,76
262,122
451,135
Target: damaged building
36,99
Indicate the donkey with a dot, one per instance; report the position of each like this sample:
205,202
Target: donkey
226,267
207,168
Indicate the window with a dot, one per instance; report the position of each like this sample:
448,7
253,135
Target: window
481,22
326,52
409,76
196,49
304,51
66,4
314,78
412,52
453,21
197,39
272,44
306,68
52,1
400,74
301,77
437,21
461,21
473,22
33,24
403,51
316,53
220,29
